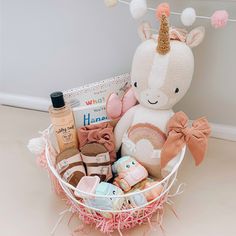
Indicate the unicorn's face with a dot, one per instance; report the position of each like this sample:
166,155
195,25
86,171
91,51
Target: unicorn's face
161,79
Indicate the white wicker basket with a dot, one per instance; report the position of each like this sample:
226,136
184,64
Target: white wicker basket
106,220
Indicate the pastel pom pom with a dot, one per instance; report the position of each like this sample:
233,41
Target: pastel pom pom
138,8
36,146
188,16
110,3
219,19
162,8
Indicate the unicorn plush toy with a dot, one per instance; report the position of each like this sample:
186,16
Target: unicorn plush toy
161,74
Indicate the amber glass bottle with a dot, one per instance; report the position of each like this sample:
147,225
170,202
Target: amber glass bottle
63,122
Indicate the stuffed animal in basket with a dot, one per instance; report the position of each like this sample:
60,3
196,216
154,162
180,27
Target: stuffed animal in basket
129,172
106,203
142,198
162,70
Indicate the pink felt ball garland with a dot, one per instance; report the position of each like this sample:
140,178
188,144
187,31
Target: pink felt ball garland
163,8
138,9
219,19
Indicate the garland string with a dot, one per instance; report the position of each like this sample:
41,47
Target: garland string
175,13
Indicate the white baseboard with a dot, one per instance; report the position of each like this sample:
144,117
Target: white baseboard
29,102
220,131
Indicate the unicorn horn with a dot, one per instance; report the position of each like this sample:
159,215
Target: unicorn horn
163,46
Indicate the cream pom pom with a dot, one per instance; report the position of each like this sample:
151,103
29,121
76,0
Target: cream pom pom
110,3
138,8
36,146
188,16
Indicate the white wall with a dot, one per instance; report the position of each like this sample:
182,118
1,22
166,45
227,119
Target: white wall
52,45
59,44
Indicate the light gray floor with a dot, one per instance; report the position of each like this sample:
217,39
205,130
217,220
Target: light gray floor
28,207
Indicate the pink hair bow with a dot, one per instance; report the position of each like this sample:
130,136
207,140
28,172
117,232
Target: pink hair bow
101,133
178,34
179,134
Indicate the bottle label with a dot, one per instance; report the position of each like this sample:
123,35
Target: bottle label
65,131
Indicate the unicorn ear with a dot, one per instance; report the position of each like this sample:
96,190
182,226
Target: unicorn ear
129,100
195,37
113,106
145,31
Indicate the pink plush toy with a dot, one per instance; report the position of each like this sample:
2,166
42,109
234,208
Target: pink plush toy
141,198
129,171
154,192
161,74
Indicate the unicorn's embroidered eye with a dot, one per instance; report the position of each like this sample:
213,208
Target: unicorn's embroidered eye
135,84
133,163
127,166
114,192
176,90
